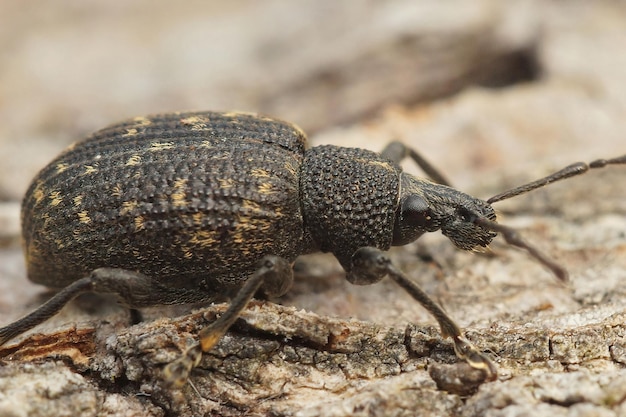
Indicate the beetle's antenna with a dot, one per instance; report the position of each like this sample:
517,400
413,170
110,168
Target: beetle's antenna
567,172
513,238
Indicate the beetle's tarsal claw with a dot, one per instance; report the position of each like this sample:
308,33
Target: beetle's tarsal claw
465,350
176,374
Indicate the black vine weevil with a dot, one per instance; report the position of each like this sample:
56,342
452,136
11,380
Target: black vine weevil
186,207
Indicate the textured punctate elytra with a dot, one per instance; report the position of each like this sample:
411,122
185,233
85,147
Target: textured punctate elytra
180,197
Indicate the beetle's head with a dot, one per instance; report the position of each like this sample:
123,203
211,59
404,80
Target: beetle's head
424,206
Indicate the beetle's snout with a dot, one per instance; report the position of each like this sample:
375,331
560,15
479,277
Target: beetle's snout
462,230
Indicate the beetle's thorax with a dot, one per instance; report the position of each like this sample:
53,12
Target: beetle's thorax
349,198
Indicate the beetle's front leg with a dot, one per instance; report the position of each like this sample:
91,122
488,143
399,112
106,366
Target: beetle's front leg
370,265
274,274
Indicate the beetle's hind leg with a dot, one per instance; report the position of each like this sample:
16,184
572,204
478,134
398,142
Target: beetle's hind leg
274,274
45,311
134,289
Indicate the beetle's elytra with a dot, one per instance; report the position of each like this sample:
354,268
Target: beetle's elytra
185,207
191,200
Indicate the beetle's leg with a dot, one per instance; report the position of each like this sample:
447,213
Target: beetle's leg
45,311
134,289
274,274
372,265
397,151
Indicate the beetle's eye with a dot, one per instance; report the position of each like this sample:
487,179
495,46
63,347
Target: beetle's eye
413,218
415,211
465,215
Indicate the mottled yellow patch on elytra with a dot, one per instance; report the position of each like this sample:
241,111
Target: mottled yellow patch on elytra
205,144
116,191
251,224
204,238
61,244
179,194
187,253
266,188
160,146
252,208
128,207
130,132
78,200
46,219
62,167
142,121
89,169
196,122
221,156
239,238
133,160
55,198
197,218
259,172
83,217
251,205
247,230
226,182
290,168
139,223
38,192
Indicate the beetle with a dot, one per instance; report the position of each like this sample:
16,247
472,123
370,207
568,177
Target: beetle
195,206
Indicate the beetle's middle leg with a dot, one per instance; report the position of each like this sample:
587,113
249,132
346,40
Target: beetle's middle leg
397,151
274,274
